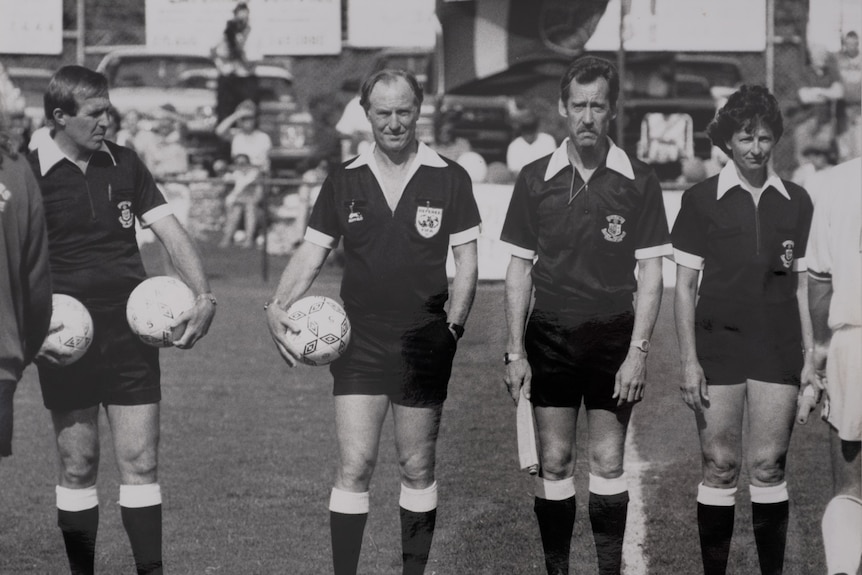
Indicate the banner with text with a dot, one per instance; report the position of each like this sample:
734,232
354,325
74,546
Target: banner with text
366,28
32,27
278,27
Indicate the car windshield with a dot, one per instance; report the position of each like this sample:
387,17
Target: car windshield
153,71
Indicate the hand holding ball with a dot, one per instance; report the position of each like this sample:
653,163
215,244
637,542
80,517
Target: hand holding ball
324,330
71,331
154,306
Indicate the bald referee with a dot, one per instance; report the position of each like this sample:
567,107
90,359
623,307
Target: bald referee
399,206
835,299
579,222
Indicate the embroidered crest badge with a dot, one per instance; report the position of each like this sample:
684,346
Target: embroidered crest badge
428,220
614,232
354,216
127,219
787,256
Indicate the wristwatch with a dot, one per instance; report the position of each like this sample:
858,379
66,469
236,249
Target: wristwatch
510,357
641,344
458,330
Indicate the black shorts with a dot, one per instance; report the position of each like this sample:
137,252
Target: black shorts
576,357
7,391
409,362
118,369
736,342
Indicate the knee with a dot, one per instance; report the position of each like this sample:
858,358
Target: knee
606,465
557,462
767,470
355,473
138,467
720,470
417,471
80,469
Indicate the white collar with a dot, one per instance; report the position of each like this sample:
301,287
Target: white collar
50,154
425,156
616,160
728,178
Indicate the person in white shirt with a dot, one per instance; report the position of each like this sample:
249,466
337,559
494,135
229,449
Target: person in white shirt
530,145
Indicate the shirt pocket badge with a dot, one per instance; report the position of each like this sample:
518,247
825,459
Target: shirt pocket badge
787,253
127,218
428,220
614,231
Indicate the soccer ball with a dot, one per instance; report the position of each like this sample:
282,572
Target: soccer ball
76,334
154,305
325,329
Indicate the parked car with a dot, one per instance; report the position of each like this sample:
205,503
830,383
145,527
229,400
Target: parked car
144,80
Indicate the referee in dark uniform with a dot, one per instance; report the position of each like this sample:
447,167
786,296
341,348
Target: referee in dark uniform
398,207
579,222
93,191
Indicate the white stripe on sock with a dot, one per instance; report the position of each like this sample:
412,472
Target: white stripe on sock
419,500
716,496
348,502
77,499
770,494
603,486
135,496
555,490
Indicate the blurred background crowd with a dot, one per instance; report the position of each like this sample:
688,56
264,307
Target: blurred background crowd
240,138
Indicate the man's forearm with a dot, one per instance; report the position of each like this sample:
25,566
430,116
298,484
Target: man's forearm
464,283
819,299
650,285
519,291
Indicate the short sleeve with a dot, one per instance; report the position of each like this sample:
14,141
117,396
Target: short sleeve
520,226
466,219
689,234
150,203
323,229
653,238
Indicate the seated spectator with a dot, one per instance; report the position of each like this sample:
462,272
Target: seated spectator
242,204
241,130
530,144
821,90
447,144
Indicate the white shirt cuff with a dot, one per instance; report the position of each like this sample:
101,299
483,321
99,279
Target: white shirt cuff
156,214
519,251
654,252
688,260
464,237
320,239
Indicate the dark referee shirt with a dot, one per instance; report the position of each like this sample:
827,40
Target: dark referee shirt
588,237
747,252
91,221
395,262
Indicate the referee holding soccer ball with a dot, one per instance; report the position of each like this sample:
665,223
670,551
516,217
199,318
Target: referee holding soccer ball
398,207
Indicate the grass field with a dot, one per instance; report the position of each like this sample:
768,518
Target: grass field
247,463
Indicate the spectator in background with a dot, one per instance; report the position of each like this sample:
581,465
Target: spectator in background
530,144
240,129
236,79
447,143
817,157
25,279
355,128
849,61
821,90
243,201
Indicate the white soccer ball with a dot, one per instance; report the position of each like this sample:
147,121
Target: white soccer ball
154,305
74,338
325,329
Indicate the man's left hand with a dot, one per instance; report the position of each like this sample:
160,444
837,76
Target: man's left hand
631,378
197,322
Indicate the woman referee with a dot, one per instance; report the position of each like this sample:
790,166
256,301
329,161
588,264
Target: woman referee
744,343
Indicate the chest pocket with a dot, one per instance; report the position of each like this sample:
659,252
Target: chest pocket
357,221
784,246
121,206
614,232
428,220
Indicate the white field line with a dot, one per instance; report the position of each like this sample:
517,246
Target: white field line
634,555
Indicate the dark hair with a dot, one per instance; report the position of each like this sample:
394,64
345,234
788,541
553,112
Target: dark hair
70,84
386,76
587,69
748,106
240,6
851,34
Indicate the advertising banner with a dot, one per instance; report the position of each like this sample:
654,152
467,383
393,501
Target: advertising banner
32,27
370,23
